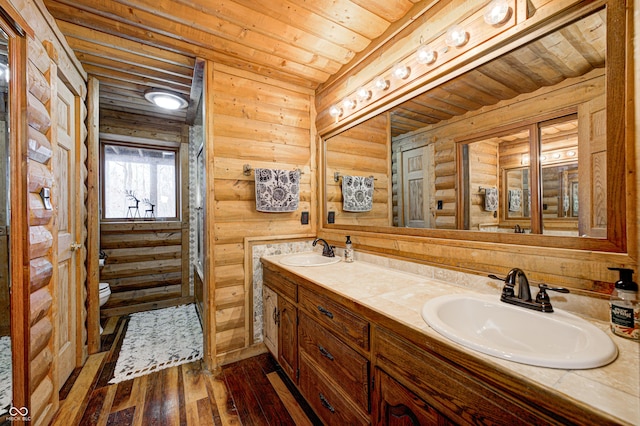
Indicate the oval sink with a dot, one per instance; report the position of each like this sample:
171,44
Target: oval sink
483,323
308,259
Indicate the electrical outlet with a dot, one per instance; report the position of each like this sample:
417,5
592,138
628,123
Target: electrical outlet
439,204
331,217
304,218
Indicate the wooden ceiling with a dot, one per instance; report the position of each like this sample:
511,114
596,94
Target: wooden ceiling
569,52
134,45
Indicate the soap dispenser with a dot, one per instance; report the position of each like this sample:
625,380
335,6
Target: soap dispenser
348,250
625,307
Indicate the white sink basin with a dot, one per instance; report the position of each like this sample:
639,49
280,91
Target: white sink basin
308,259
483,323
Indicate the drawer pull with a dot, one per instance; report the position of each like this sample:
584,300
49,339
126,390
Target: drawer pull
325,311
325,353
326,404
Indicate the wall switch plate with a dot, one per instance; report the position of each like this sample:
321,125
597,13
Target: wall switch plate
331,217
439,204
304,218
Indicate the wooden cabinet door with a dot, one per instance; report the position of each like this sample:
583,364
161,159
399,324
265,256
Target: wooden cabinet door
395,405
270,323
288,338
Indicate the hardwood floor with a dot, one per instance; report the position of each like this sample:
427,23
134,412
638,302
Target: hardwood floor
250,392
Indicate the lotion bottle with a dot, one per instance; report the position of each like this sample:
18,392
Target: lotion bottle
348,250
625,307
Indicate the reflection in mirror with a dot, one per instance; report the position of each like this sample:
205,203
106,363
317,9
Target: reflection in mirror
468,154
5,214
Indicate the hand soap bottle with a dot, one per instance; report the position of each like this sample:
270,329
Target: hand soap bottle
348,251
625,307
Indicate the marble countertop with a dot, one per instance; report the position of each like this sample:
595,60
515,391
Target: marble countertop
613,389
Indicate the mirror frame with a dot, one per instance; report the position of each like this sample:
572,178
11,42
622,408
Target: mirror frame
12,23
616,240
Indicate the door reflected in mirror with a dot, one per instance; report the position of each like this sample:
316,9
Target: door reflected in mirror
5,215
495,149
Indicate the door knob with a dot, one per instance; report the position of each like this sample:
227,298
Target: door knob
75,246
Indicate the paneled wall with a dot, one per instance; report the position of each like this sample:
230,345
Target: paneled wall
267,124
361,151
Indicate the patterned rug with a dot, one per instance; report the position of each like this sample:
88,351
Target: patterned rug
5,374
159,339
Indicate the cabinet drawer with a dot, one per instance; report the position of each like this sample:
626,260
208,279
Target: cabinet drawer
280,284
327,401
337,360
336,318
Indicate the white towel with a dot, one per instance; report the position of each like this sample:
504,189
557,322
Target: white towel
357,193
277,190
491,199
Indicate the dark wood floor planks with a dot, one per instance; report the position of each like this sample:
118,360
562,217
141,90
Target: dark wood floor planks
187,395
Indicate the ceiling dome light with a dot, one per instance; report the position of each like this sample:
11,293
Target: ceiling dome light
381,83
497,12
166,100
426,55
363,94
401,71
456,36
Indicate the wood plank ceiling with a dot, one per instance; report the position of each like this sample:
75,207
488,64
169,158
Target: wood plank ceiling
134,45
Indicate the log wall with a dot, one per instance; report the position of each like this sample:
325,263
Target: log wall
263,123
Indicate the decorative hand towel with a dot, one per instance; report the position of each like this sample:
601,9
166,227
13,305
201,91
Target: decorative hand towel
277,190
491,199
357,193
515,200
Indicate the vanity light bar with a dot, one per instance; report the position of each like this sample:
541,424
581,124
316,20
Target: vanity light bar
496,13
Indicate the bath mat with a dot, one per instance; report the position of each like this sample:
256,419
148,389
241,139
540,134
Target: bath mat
357,193
159,339
277,190
5,374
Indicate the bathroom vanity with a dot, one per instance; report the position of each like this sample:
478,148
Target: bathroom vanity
351,338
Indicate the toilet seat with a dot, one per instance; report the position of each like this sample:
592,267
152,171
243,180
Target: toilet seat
104,287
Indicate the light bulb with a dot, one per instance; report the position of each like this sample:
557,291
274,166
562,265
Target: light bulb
401,71
335,111
348,103
556,155
426,55
363,94
456,36
571,153
381,83
497,12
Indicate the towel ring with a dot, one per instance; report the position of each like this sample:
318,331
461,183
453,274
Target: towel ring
246,170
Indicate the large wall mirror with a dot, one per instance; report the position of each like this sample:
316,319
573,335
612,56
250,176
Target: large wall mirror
519,144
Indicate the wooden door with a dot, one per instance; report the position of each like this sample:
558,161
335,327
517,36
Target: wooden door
66,188
288,338
417,180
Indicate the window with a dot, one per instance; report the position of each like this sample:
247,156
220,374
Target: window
139,183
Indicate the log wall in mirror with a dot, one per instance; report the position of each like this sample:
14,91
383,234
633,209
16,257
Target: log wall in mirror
522,144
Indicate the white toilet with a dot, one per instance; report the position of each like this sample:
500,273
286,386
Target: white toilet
105,292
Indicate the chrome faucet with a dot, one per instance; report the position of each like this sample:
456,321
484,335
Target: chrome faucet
327,250
516,276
